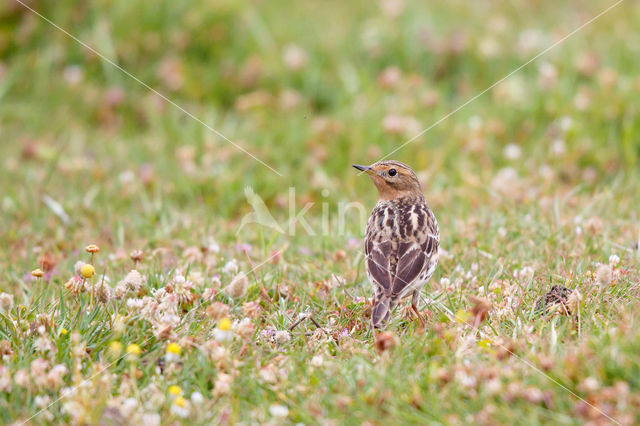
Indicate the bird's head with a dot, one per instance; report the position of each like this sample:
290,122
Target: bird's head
393,179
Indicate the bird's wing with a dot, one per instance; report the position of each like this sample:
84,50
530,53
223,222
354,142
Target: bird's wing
378,250
416,255
412,259
378,254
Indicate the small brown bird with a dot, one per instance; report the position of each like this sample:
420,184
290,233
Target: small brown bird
401,241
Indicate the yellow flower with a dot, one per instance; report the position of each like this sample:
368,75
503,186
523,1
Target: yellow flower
87,270
37,273
462,316
174,348
63,330
484,343
175,390
115,348
180,401
133,351
224,324
92,248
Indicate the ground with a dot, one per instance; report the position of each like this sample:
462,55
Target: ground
193,312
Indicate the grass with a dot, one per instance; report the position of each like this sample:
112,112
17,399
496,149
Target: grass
535,183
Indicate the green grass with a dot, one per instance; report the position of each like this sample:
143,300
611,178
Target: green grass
133,172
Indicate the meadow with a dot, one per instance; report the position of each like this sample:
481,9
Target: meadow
139,283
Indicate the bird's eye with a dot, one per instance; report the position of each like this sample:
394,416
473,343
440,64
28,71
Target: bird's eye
392,172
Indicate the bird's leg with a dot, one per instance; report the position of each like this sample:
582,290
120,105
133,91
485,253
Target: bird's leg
414,307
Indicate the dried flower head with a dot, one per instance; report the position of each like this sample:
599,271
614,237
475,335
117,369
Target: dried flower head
74,285
238,286
222,385
252,309
217,310
386,341
573,302
282,336
38,273
47,262
137,256
245,329
92,248
103,292
593,225
604,275
132,282
6,302
5,348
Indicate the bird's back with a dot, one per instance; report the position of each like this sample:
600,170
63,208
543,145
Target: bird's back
401,245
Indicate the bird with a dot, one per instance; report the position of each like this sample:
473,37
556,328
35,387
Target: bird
401,242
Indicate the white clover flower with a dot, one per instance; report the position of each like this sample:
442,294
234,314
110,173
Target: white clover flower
317,361
475,122
558,147
566,123
197,398
128,407
231,267
151,419
222,385
512,152
614,259
42,401
77,267
222,335
180,407
5,379
295,57
279,410
282,336
213,245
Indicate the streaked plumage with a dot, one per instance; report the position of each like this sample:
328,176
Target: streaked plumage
401,241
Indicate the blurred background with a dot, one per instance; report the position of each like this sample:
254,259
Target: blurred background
534,182
309,88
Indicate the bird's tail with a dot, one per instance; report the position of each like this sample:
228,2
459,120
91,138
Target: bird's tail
381,312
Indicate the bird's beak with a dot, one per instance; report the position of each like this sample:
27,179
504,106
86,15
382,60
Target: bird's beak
366,169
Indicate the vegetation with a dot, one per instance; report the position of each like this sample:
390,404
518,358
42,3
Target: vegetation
188,314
